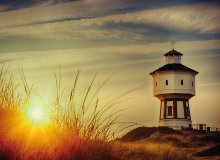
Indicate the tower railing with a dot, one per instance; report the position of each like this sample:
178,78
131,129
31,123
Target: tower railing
198,127
203,127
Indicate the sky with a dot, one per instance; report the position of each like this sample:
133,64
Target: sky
123,39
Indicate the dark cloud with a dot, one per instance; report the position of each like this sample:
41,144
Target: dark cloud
160,33
60,1
57,20
119,6
137,5
17,4
149,34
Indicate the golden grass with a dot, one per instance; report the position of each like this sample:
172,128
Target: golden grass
150,151
78,125
88,116
80,128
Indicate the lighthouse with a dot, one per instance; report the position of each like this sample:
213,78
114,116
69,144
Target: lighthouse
174,85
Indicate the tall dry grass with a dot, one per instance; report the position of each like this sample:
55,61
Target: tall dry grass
10,98
85,117
81,125
76,121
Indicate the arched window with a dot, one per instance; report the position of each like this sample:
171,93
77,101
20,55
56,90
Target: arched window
169,111
166,82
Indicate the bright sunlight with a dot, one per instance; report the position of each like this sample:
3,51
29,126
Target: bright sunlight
37,115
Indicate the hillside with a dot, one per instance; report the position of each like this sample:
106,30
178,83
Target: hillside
143,143
190,143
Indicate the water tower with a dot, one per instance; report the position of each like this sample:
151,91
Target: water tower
174,85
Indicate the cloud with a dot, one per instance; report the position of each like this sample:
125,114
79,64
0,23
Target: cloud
54,10
198,18
45,23
108,56
195,19
17,4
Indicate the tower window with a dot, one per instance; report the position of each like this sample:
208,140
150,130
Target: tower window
181,82
170,111
156,84
166,82
192,84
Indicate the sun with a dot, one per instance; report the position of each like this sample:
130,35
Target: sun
37,116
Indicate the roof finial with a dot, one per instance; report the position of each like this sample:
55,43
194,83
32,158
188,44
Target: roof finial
173,44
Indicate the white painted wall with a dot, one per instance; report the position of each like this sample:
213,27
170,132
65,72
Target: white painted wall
174,82
180,109
162,111
175,123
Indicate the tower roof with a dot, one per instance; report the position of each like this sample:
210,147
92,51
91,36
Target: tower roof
173,52
174,67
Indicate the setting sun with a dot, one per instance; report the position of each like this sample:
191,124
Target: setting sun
37,116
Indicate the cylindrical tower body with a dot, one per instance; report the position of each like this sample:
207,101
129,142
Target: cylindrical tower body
174,85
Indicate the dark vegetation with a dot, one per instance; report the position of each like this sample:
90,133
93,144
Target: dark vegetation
195,144
145,132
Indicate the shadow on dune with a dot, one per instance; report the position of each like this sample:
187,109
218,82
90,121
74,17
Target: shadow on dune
212,151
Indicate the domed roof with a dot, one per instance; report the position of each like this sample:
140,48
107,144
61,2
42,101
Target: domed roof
173,52
174,67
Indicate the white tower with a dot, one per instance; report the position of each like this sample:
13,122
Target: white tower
174,85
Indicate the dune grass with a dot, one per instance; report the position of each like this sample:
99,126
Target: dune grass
78,125
148,150
85,117
81,126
